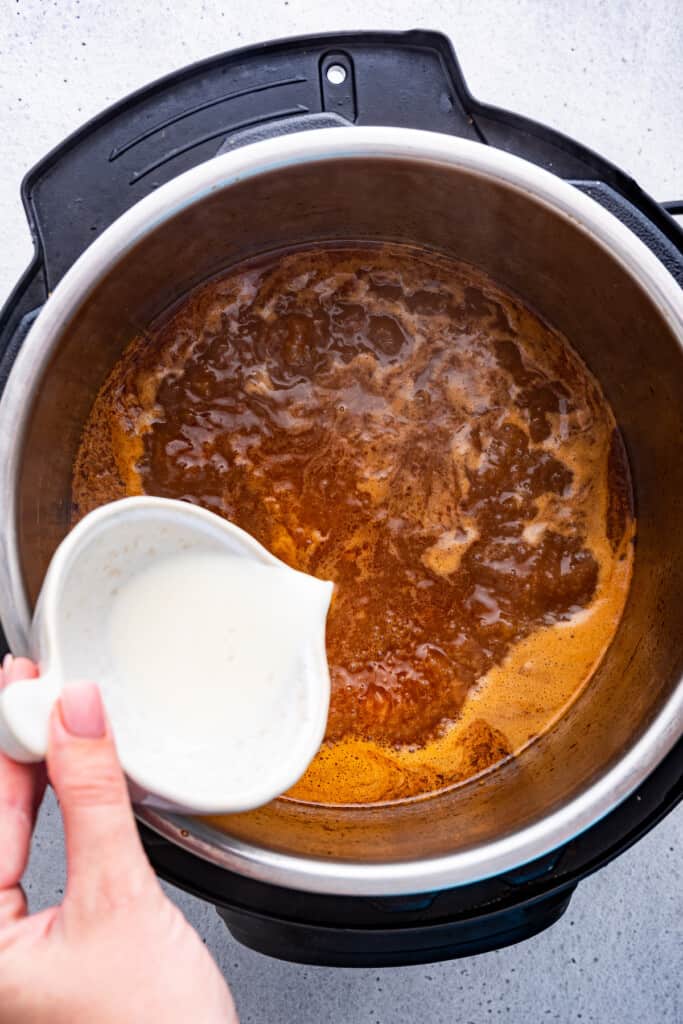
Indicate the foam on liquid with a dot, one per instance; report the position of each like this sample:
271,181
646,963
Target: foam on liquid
390,419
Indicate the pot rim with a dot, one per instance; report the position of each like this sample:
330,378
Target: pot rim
301,872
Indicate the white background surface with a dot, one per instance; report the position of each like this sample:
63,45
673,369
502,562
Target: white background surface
608,73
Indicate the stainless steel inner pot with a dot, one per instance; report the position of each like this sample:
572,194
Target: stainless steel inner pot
568,258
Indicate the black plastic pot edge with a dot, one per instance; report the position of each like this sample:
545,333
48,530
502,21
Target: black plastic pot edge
524,902
491,124
365,947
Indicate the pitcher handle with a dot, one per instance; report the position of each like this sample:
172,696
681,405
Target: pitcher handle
25,708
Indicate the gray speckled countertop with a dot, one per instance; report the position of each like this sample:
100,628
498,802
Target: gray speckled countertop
609,73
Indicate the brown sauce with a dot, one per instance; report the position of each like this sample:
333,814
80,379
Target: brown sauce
391,420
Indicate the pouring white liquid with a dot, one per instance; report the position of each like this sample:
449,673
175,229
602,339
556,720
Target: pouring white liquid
209,652
206,660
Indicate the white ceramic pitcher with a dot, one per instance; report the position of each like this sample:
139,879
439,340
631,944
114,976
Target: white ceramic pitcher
71,639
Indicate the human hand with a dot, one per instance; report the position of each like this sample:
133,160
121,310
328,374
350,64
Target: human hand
116,950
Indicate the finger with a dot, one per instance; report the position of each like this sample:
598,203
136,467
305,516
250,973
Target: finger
12,906
19,668
105,860
14,670
29,928
20,793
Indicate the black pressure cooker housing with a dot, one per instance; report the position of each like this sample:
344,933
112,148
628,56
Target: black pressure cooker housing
410,80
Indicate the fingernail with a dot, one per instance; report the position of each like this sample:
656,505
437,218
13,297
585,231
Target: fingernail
83,711
6,662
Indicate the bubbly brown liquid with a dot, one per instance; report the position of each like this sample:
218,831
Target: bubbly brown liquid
391,420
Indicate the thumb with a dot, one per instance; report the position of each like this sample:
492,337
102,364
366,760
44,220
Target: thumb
105,859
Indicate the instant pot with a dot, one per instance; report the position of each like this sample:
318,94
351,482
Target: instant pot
375,136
